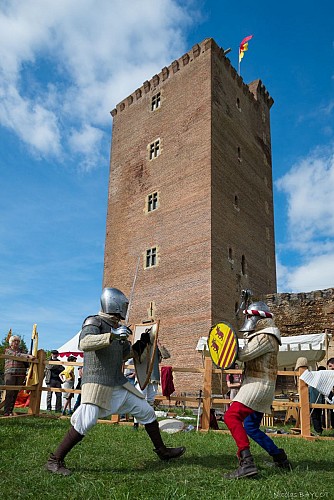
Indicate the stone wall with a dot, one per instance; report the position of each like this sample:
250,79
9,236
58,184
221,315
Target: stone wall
304,313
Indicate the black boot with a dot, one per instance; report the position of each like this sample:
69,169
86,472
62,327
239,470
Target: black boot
246,468
56,462
161,450
281,460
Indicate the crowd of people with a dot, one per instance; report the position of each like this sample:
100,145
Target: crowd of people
56,377
107,389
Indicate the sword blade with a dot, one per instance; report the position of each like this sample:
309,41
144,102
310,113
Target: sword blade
132,292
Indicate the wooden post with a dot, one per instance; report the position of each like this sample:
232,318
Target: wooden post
326,344
305,425
207,391
35,396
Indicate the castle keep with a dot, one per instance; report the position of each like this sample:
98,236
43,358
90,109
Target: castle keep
190,198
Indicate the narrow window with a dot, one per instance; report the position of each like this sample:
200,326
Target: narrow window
230,254
239,153
238,104
152,202
156,101
151,257
154,149
236,201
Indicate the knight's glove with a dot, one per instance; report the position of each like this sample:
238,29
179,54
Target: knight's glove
121,333
141,344
145,337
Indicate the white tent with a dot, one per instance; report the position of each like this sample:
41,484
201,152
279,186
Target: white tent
71,347
312,347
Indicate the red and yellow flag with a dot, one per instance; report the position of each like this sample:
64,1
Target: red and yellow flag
244,46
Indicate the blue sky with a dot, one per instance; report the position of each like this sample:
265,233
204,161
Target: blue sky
64,65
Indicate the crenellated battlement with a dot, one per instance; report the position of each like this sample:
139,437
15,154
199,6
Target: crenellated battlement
259,90
303,313
254,90
303,298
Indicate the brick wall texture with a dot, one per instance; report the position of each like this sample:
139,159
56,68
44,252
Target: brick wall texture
213,228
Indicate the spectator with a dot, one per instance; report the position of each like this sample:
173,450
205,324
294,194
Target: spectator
151,389
78,387
233,382
130,372
53,380
330,366
316,413
67,376
15,372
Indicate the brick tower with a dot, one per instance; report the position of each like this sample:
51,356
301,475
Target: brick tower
190,198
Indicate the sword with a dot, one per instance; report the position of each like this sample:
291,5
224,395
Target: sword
132,292
244,300
122,332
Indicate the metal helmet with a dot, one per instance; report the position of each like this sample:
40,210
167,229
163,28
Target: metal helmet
254,312
113,301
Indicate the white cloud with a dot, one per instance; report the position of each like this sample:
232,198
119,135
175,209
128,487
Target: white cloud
85,139
282,273
315,274
67,64
86,142
309,187
35,124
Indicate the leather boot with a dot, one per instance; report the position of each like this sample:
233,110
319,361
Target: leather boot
161,450
281,460
57,466
56,462
246,468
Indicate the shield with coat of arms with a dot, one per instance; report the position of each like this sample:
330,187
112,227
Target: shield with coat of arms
223,345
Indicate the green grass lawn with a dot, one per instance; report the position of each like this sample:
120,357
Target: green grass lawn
115,462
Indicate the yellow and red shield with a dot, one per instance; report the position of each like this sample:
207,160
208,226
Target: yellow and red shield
223,345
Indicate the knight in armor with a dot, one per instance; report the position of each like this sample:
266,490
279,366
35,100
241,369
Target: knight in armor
152,387
105,389
255,397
